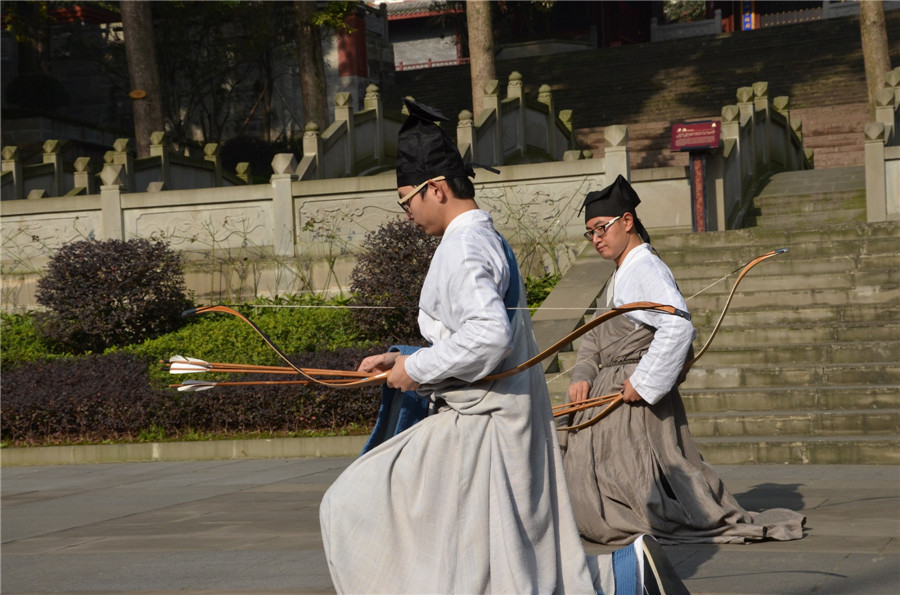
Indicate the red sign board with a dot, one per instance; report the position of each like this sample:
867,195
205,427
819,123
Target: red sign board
694,136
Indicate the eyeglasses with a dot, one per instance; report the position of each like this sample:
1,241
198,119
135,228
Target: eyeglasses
600,231
404,202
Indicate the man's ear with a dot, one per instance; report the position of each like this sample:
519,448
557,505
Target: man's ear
439,190
629,221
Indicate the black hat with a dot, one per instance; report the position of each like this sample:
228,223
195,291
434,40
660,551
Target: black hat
616,199
424,151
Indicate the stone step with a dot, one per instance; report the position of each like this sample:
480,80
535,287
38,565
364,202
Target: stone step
776,283
725,377
802,450
736,316
819,423
815,219
797,298
776,336
784,265
726,257
781,205
800,398
757,240
855,352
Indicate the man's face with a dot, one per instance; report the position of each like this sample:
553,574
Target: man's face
421,207
608,235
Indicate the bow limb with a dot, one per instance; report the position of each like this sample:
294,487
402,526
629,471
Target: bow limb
608,315
615,402
368,381
744,271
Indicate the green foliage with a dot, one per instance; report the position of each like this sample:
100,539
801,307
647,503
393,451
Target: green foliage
21,341
110,293
387,280
538,288
684,11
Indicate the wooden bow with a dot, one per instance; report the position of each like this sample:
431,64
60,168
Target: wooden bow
308,374
614,400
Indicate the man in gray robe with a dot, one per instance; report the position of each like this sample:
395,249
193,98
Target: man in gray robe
638,470
472,499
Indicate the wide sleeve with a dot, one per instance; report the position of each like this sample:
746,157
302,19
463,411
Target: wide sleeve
473,275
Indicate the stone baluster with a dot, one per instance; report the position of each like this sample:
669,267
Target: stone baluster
465,136
747,122
159,148
343,112
372,101
567,117
242,171
781,105
312,153
514,91
761,109
615,139
884,112
111,220
211,154
892,80
283,166
53,157
82,177
545,96
876,188
491,103
10,163
121,155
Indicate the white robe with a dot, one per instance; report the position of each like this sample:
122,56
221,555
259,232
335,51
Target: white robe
473,498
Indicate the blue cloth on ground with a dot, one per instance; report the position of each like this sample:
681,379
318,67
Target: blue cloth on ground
401,410
625,570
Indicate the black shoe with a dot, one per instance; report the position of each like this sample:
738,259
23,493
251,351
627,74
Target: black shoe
660,577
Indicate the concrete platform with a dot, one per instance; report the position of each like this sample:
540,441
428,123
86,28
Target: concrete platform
251,526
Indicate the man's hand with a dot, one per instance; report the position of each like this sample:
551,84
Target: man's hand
376,364
629,395
578,391
398,378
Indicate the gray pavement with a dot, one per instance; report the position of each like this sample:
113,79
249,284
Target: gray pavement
251,526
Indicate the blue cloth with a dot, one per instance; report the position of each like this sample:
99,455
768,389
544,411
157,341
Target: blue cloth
401,410
625,570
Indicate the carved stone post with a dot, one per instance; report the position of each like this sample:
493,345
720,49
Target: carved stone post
763,122
567,117
876,196
465,136
121,155
242,171
83,180
51,156
112,225
158,148
514,91
884,111
372,101
11,163
283,234
781,105
343,112
615,139
491,103
748,123
211,154
312,153
545,96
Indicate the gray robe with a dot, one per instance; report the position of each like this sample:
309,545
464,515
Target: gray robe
470,500
639,470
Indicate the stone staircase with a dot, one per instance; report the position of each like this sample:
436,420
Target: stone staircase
806,366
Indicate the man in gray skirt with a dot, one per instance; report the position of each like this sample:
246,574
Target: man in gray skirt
472,498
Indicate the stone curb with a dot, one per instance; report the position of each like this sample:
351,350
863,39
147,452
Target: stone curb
276,448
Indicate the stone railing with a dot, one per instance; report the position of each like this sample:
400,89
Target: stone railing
758,138
163,170
883,153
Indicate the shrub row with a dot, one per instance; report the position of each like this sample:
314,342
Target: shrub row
109,397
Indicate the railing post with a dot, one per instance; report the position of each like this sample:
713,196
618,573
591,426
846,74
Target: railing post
747,118
491,102
282,221
884,111
615,139
111,220
82,178
159,148
465,136
52,156
11,163
761,104
312,153
876,196
514,91
545,96
372,101
343,112
242,171
211,154
121,155
781,104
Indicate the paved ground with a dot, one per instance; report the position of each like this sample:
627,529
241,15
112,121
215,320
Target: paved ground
251,526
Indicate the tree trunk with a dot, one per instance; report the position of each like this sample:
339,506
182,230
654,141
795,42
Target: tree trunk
143,70
874,45
481,49
312,65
